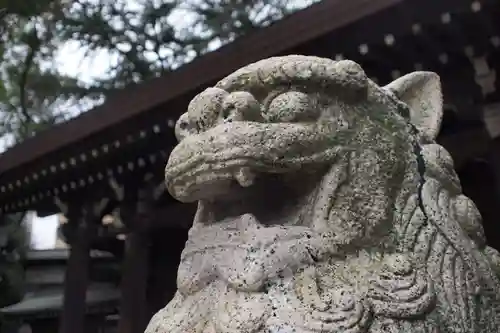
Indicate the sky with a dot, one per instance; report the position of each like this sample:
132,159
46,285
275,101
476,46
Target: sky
70,61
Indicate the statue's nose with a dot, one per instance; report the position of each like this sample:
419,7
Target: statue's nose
183,127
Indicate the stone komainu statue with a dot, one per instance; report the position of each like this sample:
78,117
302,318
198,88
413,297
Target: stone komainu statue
325,205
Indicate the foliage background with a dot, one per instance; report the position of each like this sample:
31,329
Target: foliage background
140,39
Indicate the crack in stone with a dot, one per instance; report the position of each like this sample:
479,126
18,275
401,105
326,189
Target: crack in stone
421,169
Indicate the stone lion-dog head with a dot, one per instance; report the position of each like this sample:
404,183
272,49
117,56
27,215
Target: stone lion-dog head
325,205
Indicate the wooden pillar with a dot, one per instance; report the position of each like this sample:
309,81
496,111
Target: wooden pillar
133,308
491,115
137,210
494,159
77,275
163,272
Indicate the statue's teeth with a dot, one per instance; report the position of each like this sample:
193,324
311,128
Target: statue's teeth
244,177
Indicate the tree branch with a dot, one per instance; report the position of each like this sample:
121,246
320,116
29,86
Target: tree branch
24,76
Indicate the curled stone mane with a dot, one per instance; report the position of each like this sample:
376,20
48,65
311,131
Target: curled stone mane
306,70
325,205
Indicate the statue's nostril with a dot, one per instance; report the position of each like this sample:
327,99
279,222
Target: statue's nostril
227,111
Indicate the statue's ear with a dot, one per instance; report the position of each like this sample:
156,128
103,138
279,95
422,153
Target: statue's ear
421,91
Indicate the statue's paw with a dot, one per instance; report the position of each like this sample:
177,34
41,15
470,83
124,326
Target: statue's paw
344,312
400,290
335,309
242,312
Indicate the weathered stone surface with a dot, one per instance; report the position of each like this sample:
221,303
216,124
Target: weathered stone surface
325,205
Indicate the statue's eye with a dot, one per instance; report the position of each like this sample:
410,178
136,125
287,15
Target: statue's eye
291,106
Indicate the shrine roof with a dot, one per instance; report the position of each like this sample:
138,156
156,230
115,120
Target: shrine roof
132,132
280,37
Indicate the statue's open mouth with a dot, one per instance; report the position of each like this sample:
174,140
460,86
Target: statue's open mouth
210,164
198,174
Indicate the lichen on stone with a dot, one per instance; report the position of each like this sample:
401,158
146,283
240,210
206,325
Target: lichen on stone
324,205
